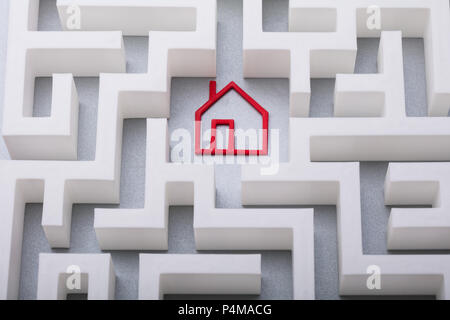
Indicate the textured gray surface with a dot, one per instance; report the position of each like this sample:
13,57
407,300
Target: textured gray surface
187,95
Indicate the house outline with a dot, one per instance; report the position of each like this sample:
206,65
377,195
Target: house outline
231,150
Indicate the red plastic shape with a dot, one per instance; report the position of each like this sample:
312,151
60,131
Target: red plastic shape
231,150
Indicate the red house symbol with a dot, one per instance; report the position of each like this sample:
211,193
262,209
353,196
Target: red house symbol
213,98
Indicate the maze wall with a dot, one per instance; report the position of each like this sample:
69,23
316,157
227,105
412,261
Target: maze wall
242,216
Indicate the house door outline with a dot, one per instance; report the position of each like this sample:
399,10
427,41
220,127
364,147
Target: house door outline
213,143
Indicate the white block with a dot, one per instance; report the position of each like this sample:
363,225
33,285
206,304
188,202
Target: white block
61,274
161,274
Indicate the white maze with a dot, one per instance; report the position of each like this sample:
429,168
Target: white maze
370,124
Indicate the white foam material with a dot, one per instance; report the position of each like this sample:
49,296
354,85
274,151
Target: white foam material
92,274
161,274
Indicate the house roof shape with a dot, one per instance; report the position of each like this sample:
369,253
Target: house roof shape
213,98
